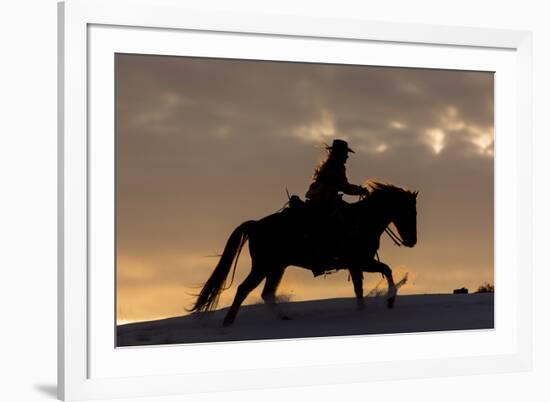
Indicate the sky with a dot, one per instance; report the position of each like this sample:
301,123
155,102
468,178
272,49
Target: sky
205,144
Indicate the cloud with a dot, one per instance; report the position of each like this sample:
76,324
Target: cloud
318,131
397,125
435,138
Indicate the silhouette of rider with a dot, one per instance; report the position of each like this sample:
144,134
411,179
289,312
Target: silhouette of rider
330,176
329,180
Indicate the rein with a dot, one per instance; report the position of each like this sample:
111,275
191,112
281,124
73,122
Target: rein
396,239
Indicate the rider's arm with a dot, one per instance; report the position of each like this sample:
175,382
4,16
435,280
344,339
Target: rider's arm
348,188
352,189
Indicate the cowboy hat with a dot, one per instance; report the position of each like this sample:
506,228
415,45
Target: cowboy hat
340,146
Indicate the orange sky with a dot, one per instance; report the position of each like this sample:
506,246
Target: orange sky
205,144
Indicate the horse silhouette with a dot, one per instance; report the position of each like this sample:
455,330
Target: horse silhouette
283,239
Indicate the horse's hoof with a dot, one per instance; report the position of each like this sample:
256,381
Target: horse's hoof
391,302
285,318
227,323
361,305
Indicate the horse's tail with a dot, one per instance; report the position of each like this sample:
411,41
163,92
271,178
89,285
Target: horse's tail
210,293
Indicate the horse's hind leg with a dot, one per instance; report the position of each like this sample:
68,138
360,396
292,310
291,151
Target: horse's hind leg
268,294
377,266
357,279
251,281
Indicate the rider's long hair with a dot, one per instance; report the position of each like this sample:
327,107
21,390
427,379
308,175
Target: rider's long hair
330,157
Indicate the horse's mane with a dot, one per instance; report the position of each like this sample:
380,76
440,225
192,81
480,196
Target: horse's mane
383,190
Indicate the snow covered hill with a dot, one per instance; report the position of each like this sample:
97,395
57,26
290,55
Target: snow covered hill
329,317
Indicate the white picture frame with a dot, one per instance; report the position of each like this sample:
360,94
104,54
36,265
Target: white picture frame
89,368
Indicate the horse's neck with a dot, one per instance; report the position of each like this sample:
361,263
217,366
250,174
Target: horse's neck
380,225
378,218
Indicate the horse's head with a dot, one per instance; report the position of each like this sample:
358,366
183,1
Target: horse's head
400,207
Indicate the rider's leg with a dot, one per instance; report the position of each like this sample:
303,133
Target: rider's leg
339,232
320,241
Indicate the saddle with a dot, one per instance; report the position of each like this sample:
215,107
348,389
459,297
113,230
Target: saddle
316,211
295,202
324,230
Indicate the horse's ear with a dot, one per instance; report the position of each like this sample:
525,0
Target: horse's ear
415,194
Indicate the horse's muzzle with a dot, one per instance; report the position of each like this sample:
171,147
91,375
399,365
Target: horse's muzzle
410,244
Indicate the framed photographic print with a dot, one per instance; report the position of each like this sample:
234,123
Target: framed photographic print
373,178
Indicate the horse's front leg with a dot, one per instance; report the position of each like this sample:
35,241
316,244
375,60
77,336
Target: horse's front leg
357,279
377,266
